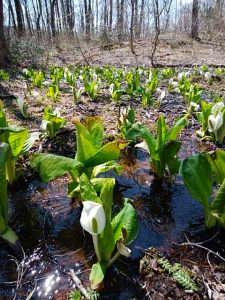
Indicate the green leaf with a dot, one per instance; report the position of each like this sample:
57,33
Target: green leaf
139,130
108,152
126,219
97,274
206,111
86,145
161,131
88,193
22,106
95,127
217,162
171,149
4,149
197,176
51,166
17,140
217,207
179,124
109,165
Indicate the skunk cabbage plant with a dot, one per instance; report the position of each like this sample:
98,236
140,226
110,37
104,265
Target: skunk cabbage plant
52,121
199,172
110,234
164,147
19,141
92,157
5,231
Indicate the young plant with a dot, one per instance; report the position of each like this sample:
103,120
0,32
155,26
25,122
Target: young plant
115,91
19,142
126,120
198,173
22,107
133,83
5,231
108,233
4,75
92,157
164,147
52,121
91,88
53,91
150,87
212,118
37,78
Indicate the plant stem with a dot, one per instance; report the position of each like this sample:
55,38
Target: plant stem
113,259
95,242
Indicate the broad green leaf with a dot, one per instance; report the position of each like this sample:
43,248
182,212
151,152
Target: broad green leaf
17,140
139,130
106,241
161,131
206,111
217,162
87,190
108,152
86,145
109,165
173,132
95,127
34,136
106,196
171,149
197,176
126,219
51,166
217,207
97,274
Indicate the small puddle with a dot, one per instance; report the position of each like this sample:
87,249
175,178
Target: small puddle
49,229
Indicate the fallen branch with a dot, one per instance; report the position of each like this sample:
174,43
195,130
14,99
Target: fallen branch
79,284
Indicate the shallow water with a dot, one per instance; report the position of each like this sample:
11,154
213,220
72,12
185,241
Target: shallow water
48,226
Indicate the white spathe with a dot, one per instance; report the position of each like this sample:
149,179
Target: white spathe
215,122
217,108
93,213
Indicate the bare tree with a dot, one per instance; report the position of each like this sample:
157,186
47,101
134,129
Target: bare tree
194,26
19,15
4,54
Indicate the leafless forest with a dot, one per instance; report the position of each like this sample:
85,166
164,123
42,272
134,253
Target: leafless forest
33,29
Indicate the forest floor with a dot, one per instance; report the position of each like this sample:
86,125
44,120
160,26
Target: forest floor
200,252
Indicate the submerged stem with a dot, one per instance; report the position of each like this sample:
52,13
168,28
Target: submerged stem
95,242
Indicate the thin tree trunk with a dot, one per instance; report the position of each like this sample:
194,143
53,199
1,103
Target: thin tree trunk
53,2
19,15
111,16
4,53
194,26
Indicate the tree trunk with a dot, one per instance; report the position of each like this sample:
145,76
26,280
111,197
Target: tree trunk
4,53
111,15
19,15
87,10
194,26
53,2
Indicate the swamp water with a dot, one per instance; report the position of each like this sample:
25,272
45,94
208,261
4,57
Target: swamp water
48,225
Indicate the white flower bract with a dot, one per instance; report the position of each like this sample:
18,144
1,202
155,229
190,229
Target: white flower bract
93,213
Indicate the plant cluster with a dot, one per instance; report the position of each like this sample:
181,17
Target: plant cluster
112,232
